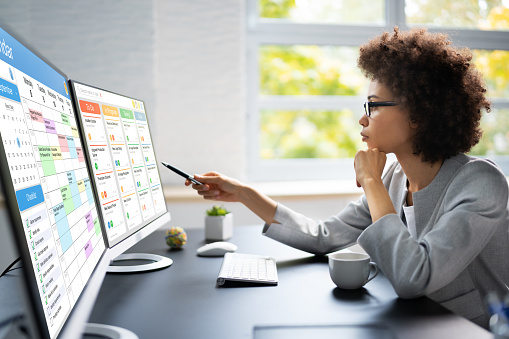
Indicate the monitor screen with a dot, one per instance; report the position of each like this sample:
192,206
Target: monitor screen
46,183
122,158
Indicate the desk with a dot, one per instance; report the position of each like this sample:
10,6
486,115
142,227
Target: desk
182,301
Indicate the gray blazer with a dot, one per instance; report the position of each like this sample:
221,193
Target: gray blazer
462,247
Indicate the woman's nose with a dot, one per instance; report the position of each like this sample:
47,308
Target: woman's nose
363,121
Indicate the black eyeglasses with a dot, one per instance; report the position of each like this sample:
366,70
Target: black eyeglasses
369,104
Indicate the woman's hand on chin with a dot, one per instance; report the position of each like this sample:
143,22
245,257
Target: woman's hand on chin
369,165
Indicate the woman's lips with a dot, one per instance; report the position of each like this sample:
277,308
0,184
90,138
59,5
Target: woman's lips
364,137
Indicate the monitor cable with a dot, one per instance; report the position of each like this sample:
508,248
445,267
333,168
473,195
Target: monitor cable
9,269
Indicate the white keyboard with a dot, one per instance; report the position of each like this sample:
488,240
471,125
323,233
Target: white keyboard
249,268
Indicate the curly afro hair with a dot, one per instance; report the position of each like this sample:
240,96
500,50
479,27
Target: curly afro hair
436,82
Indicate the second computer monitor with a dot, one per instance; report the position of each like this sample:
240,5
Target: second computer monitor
123,162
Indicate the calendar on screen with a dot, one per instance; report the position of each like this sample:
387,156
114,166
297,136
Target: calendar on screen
49,175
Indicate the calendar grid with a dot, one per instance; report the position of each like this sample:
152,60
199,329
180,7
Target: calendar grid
51,162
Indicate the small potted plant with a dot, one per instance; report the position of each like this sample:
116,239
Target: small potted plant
218,223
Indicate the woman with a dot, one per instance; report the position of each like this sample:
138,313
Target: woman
436,221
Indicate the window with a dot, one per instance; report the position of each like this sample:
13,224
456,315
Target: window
305,92
479,14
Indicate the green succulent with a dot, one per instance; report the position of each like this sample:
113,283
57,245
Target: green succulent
217,211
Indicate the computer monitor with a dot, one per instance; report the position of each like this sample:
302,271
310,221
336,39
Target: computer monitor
125,175
54,216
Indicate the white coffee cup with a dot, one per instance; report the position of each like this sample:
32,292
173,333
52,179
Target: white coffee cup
351,270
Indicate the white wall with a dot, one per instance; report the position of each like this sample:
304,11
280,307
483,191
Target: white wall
200,86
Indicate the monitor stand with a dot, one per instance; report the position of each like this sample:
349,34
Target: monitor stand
108,331
153,262
17,329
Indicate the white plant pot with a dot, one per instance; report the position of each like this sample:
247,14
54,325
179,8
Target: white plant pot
219,227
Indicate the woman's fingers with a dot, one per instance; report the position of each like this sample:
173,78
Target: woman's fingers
369,164
200,188
209,193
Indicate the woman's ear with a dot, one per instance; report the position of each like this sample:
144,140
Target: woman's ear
413,124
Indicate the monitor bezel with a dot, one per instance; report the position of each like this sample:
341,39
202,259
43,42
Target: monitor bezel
35,317
118,247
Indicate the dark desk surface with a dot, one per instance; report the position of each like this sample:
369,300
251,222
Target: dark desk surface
182,301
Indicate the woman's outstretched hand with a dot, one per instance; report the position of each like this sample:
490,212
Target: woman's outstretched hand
222,188
217,187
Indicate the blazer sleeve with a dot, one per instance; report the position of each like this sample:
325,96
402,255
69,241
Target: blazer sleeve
320,236
473,206
324,236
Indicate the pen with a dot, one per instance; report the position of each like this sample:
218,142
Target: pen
182,173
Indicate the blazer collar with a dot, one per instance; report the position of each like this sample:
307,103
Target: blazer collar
426,200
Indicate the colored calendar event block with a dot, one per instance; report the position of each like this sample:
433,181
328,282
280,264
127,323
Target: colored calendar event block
97,227
89,221
62,141
67,198
48,166
65,119
88,188
36,116
73,185
88,249
62,223
81,186
50,126
81,156
56,153
75,132
72,147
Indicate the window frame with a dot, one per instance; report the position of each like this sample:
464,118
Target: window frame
261,32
